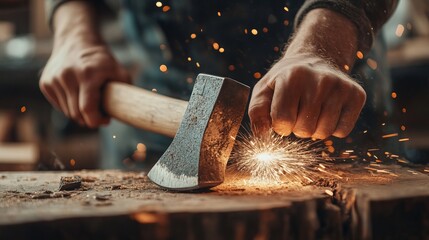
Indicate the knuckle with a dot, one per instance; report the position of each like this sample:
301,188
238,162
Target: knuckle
302,132
281,118
86,108
299,70
360,94
88,70
65,73
255,110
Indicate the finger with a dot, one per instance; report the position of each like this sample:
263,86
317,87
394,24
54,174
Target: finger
123,75
90,106
308,115
350,113
69,83
50,96
284,106
61,97
328,119
259,108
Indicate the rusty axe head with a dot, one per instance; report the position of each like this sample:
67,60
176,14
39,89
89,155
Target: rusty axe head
198,155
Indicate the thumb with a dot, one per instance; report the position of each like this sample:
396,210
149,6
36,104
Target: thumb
259,109
122,75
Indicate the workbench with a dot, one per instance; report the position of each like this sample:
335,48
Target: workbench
391,202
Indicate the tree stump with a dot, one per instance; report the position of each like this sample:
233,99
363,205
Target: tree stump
389,203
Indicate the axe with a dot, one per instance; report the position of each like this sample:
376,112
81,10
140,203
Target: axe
204,129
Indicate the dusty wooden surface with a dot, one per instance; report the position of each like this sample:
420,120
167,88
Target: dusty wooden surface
389,203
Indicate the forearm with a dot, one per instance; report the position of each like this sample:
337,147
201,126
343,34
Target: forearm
327,34
75,21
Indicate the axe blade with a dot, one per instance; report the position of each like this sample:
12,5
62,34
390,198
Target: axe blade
198,154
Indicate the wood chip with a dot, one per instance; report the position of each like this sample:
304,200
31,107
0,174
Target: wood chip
70,183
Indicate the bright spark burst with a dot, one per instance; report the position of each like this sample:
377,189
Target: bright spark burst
273,158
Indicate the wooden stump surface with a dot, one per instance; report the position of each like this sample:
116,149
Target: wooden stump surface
389,203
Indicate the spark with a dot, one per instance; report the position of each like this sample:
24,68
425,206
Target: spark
163,68
254,31
23,109
404,139
371,63
193,35
273,158
166,8
257,75
399,30
158,4
390,135
346,67
359,54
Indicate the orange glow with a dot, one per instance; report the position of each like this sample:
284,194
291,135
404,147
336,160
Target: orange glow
221,50
390,135
141,147
219,14
359,54
286,9
163,68
276,49
166,8
254,31
403,128
372,63
216,46
72,162
265,30
158,4
231,68
23,109
404,110
245,31
328,142
399,30
145,218
346,67
193,35
331,149
189,59
257,75
197,64
394,95
404,139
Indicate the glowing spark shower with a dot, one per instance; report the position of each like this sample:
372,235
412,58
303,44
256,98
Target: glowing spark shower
273,158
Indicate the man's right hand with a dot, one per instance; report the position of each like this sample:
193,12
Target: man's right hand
80,65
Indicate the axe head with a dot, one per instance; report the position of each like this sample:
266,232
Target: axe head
198,154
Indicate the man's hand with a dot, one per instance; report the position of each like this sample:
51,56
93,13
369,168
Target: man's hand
305,92
306,96
79,67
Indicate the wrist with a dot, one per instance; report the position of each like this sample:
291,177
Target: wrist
75,24
325,34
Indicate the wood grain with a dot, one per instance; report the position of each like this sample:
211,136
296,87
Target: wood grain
143,109
126,205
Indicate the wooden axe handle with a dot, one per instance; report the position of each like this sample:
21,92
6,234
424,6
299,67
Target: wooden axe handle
143,109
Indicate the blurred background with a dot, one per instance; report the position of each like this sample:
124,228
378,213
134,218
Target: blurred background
33,136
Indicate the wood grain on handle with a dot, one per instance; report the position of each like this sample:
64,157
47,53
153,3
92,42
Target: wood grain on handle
143,109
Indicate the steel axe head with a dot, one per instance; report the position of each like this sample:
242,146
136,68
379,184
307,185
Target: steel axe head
199,152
